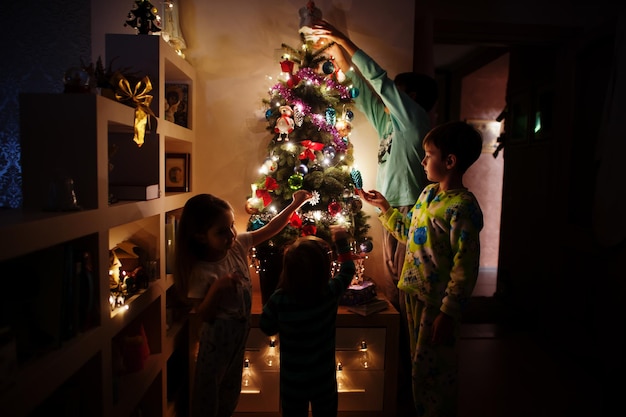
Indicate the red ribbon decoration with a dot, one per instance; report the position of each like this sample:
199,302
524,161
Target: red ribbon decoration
309,230
270,185
310,146
295,221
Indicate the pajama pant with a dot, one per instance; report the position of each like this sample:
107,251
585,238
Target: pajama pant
219,366
434,367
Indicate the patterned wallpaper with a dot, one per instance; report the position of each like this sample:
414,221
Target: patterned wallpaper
44,39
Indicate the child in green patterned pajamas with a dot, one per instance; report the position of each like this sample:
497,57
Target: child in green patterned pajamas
440,269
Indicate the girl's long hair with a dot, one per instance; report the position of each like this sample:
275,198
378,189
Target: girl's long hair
199,214
306,269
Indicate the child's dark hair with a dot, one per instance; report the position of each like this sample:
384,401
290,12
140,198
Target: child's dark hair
199,214
424,87
456,138
306,269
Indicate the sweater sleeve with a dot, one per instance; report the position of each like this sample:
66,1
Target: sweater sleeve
403,108
465,243
396,223
342,279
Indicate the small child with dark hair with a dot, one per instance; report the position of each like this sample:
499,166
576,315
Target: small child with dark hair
440,269
303,311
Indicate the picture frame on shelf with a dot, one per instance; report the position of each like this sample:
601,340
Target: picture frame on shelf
177,172
177,103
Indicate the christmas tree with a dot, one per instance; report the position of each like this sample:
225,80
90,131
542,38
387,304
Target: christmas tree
309,118
144,18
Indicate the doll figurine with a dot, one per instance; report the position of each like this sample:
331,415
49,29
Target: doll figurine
309,14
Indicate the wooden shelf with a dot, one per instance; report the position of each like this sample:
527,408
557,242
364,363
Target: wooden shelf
72,136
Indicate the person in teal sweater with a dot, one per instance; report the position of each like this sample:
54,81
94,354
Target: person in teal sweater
441,264
398,110
303,312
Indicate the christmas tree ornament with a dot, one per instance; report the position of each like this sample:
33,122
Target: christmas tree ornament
268,114
309,149
355,174
309,14
356,204
295,221
257,224
270,165
309,230
254,204
334,208
329,152
349,116
316,168
315,198
328,67
298,116
295,181
331,116
287,66
287,74
284,124
341,76
251,206
301,169
264,192
366,246
354,92
344,127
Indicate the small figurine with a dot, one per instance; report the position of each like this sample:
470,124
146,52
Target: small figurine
309,14
285,123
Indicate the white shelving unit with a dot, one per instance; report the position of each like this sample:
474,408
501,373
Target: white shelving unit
56,357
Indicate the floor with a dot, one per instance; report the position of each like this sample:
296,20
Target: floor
507,372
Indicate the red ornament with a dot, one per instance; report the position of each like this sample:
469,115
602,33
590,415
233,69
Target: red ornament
286,66
309,230
334,208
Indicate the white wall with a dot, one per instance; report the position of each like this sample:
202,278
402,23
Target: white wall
232,44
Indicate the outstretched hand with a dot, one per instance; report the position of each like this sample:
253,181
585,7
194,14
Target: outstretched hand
301,196
325,30
375,198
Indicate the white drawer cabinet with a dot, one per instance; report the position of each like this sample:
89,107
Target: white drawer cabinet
367,380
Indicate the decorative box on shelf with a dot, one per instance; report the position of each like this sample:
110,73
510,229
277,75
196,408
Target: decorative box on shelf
359,294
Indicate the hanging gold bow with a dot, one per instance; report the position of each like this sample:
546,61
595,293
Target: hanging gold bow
141,101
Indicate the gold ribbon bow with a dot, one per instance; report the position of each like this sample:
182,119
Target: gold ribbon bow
141,100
